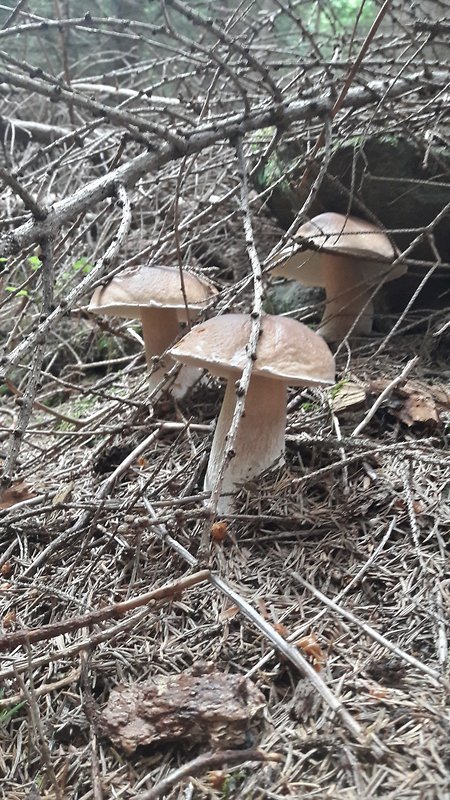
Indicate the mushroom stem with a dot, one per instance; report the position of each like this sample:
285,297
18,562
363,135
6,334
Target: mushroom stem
161,328
260,439
347,296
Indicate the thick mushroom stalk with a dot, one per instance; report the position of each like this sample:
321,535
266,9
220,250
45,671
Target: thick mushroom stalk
160,300
348,299
288,354
260,439
352,257
160,329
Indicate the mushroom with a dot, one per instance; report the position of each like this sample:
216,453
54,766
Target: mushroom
352,256
155,296
288,354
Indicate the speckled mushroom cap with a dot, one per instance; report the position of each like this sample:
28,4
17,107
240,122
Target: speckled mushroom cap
335,233
287,350
150,287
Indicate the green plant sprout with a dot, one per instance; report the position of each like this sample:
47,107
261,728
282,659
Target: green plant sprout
34,262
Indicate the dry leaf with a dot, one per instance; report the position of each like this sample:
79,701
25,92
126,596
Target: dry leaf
310,645
418,408
350,397
379,693
14,494
216,779
281,629
63,495
6,569
9,618
219,531
414,402
442,396
262,607
228,613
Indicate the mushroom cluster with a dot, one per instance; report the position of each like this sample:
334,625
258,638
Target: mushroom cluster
350,258
161,301
346,255
288,354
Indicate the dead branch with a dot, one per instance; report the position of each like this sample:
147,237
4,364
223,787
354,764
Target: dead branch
433,674
11,640
193,141
206,761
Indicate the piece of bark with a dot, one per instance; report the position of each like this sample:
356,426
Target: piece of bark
415,402
196,706
14,494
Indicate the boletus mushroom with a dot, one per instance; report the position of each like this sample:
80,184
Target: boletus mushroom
350,258
154,295
288,354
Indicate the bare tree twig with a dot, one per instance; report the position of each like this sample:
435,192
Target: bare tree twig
351,74
95,274
194,141
89,643
255,327
433,674
385,393
9,641
206,761
89,710
29,396
13,15
38,212
41,743
45,688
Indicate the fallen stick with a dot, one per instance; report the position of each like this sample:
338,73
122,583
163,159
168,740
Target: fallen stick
31,635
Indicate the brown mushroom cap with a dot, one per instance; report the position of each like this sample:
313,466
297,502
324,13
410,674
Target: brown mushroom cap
150,287
335,233
287,350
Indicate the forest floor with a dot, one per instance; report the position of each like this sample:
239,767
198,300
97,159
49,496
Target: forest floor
298,647
363,519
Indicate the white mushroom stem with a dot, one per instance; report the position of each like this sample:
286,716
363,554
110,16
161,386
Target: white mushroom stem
160,329
347,296
260,439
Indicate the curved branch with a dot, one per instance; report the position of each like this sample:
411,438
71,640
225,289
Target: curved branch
190,142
